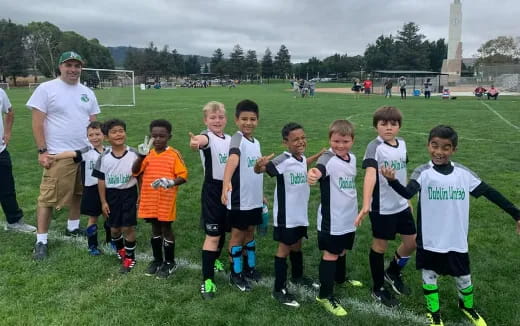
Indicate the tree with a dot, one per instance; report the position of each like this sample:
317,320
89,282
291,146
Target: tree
12,60
503,49
236,62
267,64
251,64
410,51
180,68
438,50
192,64
282,62
379,56
43,45
218,64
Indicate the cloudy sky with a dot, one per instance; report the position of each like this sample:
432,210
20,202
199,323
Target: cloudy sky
307,27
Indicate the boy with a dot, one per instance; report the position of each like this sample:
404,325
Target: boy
118,191
213,145
389,213
163,170
336,171
290,220
443,220
90,202
242,193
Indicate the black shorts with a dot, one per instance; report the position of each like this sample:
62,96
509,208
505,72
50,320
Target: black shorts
123,207
335,244
451,263
289,236
367,90
243,219
213,218
386,226
90,202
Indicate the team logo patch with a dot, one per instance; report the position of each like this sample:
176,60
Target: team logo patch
212,227
84,98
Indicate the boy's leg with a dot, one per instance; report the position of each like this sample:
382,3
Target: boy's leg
325,297
296,257
130,244
108,237
377,268
209,255
118,241
92,238
466,300
250,270
156,242
280,292
169,265
235,252
399,261
431,295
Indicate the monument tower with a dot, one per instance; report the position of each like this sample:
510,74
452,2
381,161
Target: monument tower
452,65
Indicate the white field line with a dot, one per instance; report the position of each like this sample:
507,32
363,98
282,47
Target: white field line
500,116
461,138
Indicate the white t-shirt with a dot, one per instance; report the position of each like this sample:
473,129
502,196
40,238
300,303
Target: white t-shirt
214,156
5,104
291,195
116,171
89,156
338,206
444,207
385,200
247,185
68,108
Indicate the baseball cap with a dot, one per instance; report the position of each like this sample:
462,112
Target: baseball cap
70,55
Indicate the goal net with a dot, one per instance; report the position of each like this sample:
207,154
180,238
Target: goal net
4,85
112,87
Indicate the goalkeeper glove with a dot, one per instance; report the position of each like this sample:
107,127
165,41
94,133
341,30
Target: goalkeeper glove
164,183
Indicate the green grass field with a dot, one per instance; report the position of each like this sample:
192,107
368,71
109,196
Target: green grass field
73,288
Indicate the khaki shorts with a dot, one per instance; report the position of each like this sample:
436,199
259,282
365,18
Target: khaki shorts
59,184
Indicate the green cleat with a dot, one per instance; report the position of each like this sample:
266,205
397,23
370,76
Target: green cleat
472,315
332,305
218,266
208,289
434,319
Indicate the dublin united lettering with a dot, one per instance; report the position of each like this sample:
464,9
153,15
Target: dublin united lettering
450,193
118,179
346,183
251,161
395,164
298,178
222,158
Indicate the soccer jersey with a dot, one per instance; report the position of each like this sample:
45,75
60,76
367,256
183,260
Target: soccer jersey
5,105
247,185
379,153
291,194
443,216
160,203
214,155
116,171
338,207
89,156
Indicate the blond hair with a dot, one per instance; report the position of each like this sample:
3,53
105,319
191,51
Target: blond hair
212,107
342,127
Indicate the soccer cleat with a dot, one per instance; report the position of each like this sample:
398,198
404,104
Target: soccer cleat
20,226
40,251
397,284
305,281
121,254
153,267
285,298
239,281
349,282
384,297
208,289
218,266
472,315
253,274
94,251
434,318
75,233
166,270
128,265
332,305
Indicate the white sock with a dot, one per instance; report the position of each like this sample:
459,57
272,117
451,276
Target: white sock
41,237
72,225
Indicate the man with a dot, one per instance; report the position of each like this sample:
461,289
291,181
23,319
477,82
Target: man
61,110
492,92
12,211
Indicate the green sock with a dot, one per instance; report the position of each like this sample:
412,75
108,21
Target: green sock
467,296
431,294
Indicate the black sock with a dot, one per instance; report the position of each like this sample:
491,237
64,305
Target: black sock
130,249
208,260
108,237
393,267
327,271
296,258
341,269
119,242
377,267
221,242
169,251
280,273
157,248
92,239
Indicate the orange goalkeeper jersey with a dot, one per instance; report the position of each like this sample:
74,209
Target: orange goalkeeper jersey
160,203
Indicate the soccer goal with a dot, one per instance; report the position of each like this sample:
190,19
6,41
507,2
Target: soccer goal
32,86
4,85
112,87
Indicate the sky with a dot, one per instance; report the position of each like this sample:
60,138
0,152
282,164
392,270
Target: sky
306,27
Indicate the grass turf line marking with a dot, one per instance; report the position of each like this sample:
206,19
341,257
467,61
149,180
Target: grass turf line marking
462,138
500,116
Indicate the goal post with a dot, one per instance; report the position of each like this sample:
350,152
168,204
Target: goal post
4,86
112,87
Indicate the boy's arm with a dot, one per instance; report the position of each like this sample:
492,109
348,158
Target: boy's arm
136,167
407,192
261,163
313,175
102,197
231,165
498,199
368,189
198,141
313,158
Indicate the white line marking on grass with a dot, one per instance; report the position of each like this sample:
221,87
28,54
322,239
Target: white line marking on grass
460,137
501,117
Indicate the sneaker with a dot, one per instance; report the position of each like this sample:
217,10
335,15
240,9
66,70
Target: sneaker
349,282
472,315
208,289
128,265
166,270
239,281
121,254
253,274
40,251
434,318
20,226
153,267
305,281
332,305
385,298
75,233
397,284
285,298
94,251
219,266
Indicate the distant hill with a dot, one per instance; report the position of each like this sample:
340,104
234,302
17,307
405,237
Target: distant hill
119,55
